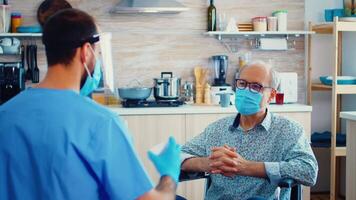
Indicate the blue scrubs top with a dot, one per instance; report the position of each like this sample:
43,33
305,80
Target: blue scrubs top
56,144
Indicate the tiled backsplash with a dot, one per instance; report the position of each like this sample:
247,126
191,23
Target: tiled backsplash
145,45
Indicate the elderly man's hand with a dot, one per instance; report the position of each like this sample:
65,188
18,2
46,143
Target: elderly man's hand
226,161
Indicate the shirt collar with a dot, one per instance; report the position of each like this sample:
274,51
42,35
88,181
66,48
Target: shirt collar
266,123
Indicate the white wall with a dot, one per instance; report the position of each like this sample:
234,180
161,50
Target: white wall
322,65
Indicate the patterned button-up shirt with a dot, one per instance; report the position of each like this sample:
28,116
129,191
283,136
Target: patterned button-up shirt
278,142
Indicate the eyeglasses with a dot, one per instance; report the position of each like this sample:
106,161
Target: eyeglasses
241,84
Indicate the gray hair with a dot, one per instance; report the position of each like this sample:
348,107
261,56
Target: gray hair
272,72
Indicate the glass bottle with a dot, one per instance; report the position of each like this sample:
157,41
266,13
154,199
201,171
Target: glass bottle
211,17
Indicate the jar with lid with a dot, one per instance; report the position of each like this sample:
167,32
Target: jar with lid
272,23
187,93
16,21
259,24
282,18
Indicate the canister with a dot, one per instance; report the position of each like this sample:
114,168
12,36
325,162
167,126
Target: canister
259,24
282,19
16,21
272,23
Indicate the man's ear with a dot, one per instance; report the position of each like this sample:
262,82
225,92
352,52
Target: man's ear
84,52
272,96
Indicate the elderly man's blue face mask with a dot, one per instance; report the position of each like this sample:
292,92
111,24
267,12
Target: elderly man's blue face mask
247,102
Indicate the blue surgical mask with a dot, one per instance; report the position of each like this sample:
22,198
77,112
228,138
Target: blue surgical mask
92,81
247,102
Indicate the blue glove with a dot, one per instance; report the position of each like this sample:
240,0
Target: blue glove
168,161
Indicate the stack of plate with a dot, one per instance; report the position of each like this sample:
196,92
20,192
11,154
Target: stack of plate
348,19
245,27
341,80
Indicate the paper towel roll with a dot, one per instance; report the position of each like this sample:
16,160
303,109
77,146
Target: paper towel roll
273,44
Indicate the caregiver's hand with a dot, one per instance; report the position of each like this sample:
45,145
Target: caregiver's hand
168,161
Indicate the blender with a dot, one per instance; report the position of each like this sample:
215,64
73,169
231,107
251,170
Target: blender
220,65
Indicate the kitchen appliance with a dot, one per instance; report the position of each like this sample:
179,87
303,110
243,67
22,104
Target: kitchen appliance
148,6
288,86
167,87
12,80
220,64
216,91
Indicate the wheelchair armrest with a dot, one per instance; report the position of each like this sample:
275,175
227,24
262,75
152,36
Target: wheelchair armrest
296,193
287,183
189,176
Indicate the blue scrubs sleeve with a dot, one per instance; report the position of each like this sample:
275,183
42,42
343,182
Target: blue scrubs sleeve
115,162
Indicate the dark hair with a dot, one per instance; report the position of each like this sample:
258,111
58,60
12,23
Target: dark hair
49,7
64,32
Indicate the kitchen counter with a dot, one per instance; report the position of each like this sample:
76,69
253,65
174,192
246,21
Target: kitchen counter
348,115
351,153
152,126
201,109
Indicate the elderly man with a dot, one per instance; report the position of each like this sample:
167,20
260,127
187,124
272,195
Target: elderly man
249,154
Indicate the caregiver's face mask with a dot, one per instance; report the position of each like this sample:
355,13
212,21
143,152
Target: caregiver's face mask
103,68
248,97
93,80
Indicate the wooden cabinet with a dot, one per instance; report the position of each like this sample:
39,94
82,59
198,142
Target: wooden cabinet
350,118
351,160
149,130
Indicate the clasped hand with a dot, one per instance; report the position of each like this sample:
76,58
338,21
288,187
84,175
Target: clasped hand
226,161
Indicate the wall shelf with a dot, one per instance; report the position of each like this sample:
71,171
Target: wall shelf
346,89
328,28
232,40
321,87
221,34
340,151
341,89
20,34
